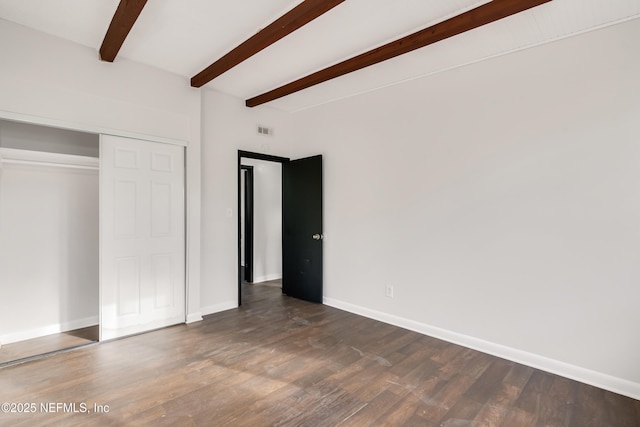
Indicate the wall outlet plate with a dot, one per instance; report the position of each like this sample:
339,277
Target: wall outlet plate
388,291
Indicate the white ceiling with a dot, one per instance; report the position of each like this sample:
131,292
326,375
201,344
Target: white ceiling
185,36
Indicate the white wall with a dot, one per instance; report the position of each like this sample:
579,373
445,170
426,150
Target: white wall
48,250
267,221
55,82
502,202
228,126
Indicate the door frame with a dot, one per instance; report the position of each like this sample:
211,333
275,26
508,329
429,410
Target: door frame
248,223
257,156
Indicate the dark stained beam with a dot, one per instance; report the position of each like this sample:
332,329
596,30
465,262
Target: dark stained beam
297,17
482,15
126,15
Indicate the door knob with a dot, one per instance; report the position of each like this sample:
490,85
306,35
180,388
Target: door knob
317,236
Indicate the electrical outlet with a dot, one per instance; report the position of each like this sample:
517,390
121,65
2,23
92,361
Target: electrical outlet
388,291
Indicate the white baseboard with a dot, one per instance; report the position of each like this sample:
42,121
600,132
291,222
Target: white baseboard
267,278
587,376
48,330
218,307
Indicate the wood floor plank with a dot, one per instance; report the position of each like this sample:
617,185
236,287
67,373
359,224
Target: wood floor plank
259,412
399,415
447,353
490,382
558,403
534,392
285,362
370,411
462,413
518,417
586,398
418,354
620,410
500,405
446,398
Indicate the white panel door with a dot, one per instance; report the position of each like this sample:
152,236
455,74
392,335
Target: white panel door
142,236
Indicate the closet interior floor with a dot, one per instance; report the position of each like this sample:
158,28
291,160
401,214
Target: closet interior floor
17,351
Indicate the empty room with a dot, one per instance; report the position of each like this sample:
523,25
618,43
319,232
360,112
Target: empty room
320,213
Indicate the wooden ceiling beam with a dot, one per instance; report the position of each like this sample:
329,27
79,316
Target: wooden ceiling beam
123,19
297,17
474,18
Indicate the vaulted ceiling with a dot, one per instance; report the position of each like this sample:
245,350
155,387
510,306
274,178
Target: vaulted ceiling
186,36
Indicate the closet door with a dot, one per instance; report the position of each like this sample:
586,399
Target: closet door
142,236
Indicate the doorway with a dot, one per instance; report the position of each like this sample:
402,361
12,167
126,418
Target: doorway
300,232
259,220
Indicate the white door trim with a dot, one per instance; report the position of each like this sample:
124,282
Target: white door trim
62,124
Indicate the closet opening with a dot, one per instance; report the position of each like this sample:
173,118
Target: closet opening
49,240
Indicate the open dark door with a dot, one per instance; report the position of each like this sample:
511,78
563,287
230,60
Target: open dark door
302,228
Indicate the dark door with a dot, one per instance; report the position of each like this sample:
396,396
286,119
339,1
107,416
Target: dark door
302,228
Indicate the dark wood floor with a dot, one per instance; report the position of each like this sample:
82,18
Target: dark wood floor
16,352
280,361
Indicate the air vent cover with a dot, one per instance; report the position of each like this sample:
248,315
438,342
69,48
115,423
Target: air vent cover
263,130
